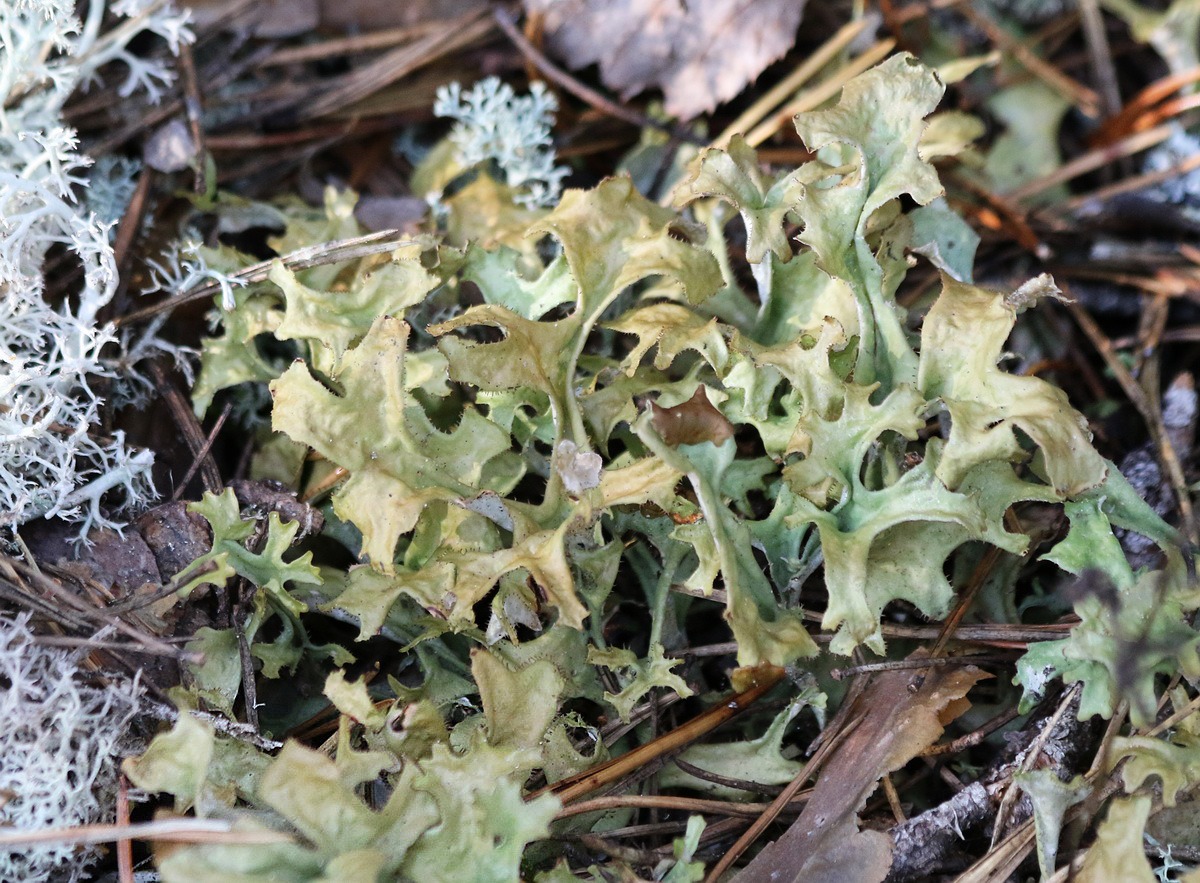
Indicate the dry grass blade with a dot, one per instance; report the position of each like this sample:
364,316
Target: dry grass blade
1149,411
1031,758
314,256
661,801
1003,858
821,56
182,830
819,94
343,46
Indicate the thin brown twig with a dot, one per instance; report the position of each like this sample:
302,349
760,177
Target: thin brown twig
1123,122
976,736
665,801
249,684
978,577
204,454
893,799
728,782
1100,56
1148,410
131,221
124,845
122,646
189,426
589,780
90,614
1093,160
995,634
225,72
839,674
1128,185
193,109
1081,96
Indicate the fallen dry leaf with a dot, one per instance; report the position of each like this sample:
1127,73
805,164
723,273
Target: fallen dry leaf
700,52
693,422
895,725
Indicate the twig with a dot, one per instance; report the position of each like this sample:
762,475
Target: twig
131,221
1069,700
839,674
124,845
124,647
1094,159
1128,185
249,684
219,723
740,784
893,799
1085,99
1124,121
226,72
204,454
573,787
660,801
301,259
88,614
217,831
193,109
189,426
1147,409
1100,56
973,738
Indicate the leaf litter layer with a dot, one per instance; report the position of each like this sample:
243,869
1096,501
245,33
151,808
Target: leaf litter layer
551,458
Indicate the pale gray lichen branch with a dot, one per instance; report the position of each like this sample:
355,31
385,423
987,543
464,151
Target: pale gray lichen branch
494,123
51,465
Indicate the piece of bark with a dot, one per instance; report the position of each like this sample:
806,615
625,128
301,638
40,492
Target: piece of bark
927,844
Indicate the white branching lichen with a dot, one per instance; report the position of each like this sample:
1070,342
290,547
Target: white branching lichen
495,124
51,463
58,751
